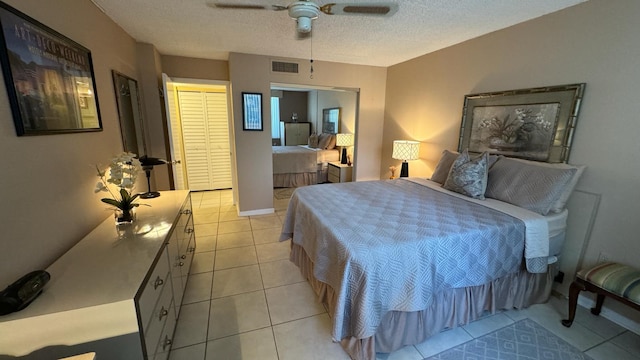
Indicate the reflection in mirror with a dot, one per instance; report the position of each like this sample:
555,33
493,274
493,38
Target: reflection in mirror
331,120
131,124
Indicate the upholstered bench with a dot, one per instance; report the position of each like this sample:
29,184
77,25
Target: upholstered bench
617,281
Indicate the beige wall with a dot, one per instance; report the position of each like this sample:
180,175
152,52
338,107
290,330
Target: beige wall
184,67
596,43
46,182
251,73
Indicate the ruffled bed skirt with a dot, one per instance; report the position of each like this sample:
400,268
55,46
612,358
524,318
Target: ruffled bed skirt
451,308
295,179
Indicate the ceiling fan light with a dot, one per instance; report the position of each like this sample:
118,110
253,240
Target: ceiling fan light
303,24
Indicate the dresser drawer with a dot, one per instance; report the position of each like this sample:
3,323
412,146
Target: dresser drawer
153,288
333,178
161,313
166,338
334,171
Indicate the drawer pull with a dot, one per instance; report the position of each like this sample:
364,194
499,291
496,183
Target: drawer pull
191,249
181,263
166,342
188,230
187,211
183,257
163,312
158,282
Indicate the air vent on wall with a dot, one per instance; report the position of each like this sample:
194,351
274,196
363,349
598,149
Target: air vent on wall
284,67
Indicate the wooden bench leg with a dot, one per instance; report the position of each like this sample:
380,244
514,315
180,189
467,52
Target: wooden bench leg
574,291
599,301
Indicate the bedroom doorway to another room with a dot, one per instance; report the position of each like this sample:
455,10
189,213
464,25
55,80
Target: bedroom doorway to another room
199,133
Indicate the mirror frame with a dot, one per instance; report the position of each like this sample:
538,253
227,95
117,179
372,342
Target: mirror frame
331,116
129,113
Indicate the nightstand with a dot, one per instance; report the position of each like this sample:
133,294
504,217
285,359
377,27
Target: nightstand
339,172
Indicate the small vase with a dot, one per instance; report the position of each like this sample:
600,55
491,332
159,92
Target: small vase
126,216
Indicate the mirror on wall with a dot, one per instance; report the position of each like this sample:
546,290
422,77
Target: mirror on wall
331,120
129,112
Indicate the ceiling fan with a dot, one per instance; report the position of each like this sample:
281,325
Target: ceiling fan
305,11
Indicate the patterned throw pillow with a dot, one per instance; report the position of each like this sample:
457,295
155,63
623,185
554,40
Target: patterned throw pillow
313,140
469,176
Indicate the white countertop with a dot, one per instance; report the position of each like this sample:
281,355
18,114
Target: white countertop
94,282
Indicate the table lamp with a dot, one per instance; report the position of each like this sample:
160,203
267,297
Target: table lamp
147,164
344,140
405,150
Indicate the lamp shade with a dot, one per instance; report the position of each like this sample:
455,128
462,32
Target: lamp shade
405,150
344,139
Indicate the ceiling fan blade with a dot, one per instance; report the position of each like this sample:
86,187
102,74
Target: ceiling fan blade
367,9
233,6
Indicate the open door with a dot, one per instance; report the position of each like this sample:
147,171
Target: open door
175,134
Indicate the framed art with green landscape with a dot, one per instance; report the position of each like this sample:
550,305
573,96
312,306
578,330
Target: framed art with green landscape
535,124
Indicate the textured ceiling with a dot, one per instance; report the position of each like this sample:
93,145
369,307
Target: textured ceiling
191,28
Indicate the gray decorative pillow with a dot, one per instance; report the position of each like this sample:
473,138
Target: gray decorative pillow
323,141
444,165
469,176
527,185
313,140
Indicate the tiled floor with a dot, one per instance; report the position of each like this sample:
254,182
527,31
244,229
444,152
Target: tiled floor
245,300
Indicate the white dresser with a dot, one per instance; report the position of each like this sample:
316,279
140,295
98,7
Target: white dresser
115,293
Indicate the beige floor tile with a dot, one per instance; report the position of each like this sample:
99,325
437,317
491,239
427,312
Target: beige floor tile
206,218
308,339
192,324
194,352
280,204
206,229
265,236
202,262
205,243
292,302
266,222
406,353
236,281
197,210
257,344
237,314
230,258
273,251
487,324
280,272
609,351
198,288
233,226
231,215
629,341
234,240
443,341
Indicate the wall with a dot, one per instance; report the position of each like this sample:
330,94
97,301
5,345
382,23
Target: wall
184,67
294,102
595,42
47,182
253,153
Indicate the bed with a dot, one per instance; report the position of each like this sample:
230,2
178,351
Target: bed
397,261
295,166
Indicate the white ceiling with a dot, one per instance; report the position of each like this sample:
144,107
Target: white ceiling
191,28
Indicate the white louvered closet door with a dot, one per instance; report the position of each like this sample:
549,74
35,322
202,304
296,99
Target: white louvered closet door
205,133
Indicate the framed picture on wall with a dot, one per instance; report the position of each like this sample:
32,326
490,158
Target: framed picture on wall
252,111
49,78
534,124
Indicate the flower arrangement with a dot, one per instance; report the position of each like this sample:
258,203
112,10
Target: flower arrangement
123,172
517,129
393,171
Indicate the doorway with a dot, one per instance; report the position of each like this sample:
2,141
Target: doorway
200,133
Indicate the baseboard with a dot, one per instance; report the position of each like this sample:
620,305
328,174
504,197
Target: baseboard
609,314
257,212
